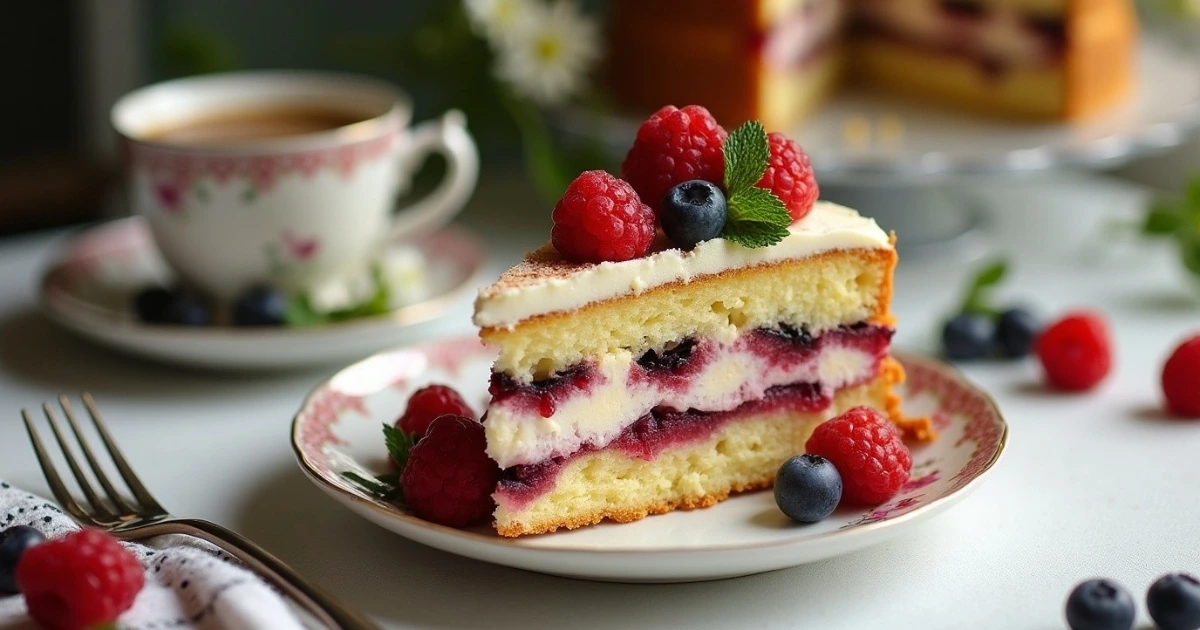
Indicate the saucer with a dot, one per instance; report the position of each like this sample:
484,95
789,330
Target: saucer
90,283
338,430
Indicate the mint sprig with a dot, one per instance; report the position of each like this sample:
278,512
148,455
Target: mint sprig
978,296
398,444
382,486
1178,217
755,216
386,486
300,310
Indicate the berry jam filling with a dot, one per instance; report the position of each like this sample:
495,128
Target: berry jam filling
655,432
675,368
545,394
668,359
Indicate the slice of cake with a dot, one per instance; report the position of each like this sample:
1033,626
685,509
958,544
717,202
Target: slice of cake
777,60
643,370
672,380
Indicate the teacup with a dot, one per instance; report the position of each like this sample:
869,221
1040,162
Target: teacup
284,178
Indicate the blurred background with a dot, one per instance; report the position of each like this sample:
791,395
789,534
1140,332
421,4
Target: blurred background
67,61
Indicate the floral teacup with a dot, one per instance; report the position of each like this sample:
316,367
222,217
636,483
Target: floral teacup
298,210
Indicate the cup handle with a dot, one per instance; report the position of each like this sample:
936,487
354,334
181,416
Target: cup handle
447,135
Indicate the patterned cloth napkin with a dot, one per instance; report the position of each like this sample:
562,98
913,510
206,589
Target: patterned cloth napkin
189,583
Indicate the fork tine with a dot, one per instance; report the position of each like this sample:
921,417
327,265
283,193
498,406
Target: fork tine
98,509
117,500
131,479
57,487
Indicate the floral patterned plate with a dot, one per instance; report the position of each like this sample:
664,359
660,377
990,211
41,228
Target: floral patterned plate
338,430
90,283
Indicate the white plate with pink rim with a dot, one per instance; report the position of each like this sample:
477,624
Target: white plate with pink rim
90,283
338,430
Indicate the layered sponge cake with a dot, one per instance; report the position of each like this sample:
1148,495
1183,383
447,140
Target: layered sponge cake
778,60
671,380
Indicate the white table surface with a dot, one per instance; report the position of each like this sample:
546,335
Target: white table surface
1099,484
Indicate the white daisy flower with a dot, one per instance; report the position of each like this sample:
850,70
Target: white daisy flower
547,60
498,20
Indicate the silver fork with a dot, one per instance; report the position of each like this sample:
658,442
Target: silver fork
144,517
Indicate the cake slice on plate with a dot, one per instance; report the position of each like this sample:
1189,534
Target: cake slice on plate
633,388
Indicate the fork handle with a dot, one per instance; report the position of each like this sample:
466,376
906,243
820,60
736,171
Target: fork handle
314,600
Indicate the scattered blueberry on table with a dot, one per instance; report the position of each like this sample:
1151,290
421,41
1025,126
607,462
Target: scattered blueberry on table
14,542
808,488
1174,602
1016,331
967,337
979,330
1100,604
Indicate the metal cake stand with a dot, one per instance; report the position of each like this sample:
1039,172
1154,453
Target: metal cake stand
910,165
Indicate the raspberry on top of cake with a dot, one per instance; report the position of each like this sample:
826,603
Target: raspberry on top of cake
636,375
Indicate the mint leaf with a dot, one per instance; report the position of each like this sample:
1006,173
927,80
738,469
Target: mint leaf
398,444
1192,195
1162,218
756,218
381,490
300,312
747,155
976,299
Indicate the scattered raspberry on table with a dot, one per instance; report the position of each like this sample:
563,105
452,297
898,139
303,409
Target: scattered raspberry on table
1181,379
674,146
1075,352
79,581
869,453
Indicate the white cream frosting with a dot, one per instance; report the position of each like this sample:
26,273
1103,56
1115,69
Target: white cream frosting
518,435
828,227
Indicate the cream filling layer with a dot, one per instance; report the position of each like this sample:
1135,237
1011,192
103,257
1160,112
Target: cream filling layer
519,434
828,227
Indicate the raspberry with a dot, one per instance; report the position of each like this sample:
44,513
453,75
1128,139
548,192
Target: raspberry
1075,352
82,580
790,176
601,218
428,403
674,146
449,479
1181,379
867,451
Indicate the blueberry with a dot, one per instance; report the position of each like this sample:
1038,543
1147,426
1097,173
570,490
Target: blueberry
260,306
808,488
150,305
14,541
1016,329
1100,605
693,211
187,310
967,336
1174,602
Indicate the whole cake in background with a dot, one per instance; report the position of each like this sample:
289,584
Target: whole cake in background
641,371
778,60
